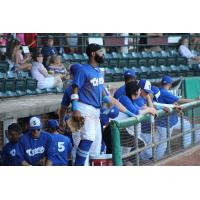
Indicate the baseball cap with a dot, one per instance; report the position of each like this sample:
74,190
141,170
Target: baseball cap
52,123
166,80
35,123
74,68
145,85
92,48
129,73
155,91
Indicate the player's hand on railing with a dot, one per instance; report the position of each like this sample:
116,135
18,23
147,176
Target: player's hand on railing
153,111
177,108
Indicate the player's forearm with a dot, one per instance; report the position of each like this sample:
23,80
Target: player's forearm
182,101
149,101
62,114
118,104
162,105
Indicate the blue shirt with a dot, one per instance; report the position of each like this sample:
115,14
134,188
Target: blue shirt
66,100
63,148
168,98
48,51
90,82
129,104
10,154
119,92
33,150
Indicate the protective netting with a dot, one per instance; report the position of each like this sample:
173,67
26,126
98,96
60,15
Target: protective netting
152,140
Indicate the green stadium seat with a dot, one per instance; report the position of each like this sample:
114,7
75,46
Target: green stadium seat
118,74
2,88
164,54
171,61
21,87
67,58
152,61
181,61
31,86
161,61
12,75
123,61
3,75
4,66
10,87
145,72
137,71
165,70
23,75
114,60
145,54
173,53
155,72
155,54
142,62
174,70
108,74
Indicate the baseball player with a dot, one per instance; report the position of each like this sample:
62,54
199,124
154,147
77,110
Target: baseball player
63,146
10,152
175,122
36,146
129,75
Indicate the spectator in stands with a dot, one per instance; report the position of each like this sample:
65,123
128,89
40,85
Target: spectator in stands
195,42
10,153
185,51
72,42
30,40
129,75
48,50
144,42
15,57
2,46
20,37
40,73
56,67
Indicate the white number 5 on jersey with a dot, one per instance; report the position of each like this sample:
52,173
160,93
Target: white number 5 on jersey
61,146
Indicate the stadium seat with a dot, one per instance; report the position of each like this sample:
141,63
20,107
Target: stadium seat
108,74
77,57
4,66
145,54
123,61
145,72
142,62
155,54
23,75
164,54
12,75
2,75
114,60
137,72
118,74
173,53
171,61
152,61
155,72
165,70
181,61
31,86
161,61
174,70
67,58
2,87
21,87
10,87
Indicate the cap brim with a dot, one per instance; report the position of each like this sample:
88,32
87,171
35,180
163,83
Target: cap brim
35,128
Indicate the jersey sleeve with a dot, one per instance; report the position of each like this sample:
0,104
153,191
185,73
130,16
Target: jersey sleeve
50,147
170,98
127,103
79,79
4,156
66,97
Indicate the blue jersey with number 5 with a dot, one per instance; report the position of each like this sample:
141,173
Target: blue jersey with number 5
63,148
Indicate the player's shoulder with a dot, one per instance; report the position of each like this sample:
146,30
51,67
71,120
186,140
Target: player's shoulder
124,98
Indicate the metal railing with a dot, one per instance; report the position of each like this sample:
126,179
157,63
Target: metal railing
182,135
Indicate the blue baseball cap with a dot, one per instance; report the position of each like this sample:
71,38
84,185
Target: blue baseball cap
167,80
129,73
145,85
155,91
74,68
114,112
52,123
35,123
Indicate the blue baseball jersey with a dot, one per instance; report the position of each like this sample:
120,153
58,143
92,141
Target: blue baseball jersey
48,51
63,148
168,98
90,82
140,101
10,154
129,104
119,92
66,100
33,150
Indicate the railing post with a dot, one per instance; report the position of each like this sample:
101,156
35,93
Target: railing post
193,129
168,135
136,145
116,145
182,128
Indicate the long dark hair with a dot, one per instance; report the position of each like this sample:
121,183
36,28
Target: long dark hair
131,88
36,54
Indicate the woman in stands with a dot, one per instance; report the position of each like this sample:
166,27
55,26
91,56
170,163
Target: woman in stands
39,72
57,68
185,51
15,57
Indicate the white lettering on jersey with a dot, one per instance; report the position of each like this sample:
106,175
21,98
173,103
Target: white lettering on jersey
97,81
38,150
13,152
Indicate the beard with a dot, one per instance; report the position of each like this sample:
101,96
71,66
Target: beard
99,59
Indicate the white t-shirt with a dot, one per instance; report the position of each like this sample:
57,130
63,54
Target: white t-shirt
185,52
